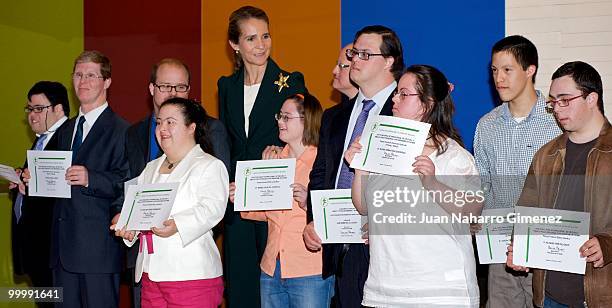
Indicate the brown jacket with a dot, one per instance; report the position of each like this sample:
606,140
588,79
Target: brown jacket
541,188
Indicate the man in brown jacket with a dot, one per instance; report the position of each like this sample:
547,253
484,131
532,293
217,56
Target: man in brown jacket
573,172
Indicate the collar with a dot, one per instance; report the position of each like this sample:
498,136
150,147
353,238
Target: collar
538,110
379,98
93,115
603,144
55,126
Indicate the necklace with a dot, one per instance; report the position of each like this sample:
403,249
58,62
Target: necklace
171,165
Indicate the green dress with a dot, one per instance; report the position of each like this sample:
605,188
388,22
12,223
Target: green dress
244,241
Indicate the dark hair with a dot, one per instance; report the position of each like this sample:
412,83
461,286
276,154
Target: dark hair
585,76
54,91
95,57
233,28
168,61
434,92
310,107
391,46
522,49
193,112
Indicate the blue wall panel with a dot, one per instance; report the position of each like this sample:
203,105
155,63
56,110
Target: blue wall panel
454,36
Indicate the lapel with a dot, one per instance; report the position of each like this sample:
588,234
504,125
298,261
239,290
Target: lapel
387,108
182,169
100,127
235,99
263,102
339,127
143,137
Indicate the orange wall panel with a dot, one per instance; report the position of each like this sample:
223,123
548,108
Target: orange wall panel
305,38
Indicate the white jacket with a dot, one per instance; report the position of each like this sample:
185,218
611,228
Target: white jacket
200,204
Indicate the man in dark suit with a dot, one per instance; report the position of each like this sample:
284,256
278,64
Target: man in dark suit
376,64
85,255
169,78
47,109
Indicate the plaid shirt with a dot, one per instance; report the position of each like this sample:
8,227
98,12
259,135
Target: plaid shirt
503,149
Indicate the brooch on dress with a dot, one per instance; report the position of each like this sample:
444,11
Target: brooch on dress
282,82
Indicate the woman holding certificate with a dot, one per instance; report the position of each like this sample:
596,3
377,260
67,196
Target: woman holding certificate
290,273
248,100
432,265
179,263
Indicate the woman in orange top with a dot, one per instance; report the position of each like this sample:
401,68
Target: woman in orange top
286,256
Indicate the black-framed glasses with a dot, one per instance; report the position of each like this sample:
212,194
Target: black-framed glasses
403,94
180,88
363,55
562,102
88,76
285,117
36,109
343,66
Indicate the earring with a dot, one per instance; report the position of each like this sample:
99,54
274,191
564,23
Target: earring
236,51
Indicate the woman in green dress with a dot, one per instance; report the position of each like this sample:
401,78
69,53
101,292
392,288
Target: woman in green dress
248,100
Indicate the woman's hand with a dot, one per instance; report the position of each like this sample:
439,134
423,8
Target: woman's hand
353,149
425,168
232,191
300,194
125,234
271,152
168,230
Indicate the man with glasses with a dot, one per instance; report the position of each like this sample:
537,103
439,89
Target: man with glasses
47,110
342,81
505,141
376,63
573,172
169,78
85,255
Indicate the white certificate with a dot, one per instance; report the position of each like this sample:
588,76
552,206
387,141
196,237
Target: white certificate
147,205
8,173
48,173
494,236
335,218
264,185
550,245
390,145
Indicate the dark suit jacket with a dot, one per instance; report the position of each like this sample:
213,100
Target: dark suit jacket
81,238
32,235
137,151
334,126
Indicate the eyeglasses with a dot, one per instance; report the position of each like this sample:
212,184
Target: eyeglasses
88,76
285,117
562,102
363,55
343,66
403,94
168,88
35,109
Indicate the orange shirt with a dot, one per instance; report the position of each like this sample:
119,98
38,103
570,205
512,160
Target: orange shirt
285,229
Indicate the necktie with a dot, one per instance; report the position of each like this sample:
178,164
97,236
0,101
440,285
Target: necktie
346,175
40,142
78,137
38,146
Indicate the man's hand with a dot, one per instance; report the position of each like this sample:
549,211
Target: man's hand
168,230
77,175
311,239
511,265
592,251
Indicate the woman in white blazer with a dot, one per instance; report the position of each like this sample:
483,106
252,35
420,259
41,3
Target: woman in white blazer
179,264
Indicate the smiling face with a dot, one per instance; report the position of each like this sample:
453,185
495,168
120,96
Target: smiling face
172,75
40,122
511,81
405,104
293,130
91,91
171,132
254,43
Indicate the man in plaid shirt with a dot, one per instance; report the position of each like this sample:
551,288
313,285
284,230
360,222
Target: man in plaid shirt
506,140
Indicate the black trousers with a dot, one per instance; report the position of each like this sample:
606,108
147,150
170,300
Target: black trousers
351,276
86,289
